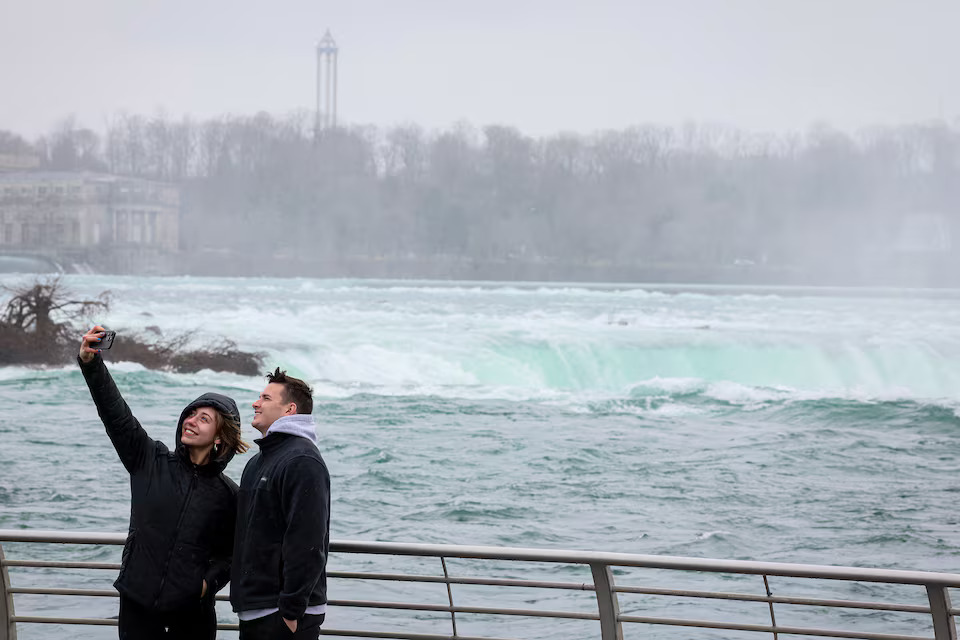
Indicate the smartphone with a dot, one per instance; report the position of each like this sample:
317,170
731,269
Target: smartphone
106,341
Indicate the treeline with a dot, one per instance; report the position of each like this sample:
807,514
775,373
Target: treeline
647,195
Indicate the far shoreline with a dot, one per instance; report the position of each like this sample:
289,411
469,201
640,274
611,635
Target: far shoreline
671,288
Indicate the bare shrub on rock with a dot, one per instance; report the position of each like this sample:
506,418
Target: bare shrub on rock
41,323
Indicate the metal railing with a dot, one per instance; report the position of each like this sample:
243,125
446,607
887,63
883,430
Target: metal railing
931,613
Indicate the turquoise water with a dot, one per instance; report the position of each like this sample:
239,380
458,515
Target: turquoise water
785,425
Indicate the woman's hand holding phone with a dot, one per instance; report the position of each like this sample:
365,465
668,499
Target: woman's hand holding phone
88,345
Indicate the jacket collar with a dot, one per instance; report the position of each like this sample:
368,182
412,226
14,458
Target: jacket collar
212,468
273,440
300,424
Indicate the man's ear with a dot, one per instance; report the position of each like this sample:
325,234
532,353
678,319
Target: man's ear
291,409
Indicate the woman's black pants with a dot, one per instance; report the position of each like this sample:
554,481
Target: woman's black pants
141,623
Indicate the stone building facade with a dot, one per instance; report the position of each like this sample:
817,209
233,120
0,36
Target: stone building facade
73,213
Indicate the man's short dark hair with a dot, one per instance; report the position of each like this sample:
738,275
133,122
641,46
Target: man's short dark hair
295,390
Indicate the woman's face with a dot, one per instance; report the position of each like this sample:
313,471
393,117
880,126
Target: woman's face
200,428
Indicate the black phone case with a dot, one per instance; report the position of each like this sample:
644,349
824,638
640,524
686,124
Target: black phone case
107,340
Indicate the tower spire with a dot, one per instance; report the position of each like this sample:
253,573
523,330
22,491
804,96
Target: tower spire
326,113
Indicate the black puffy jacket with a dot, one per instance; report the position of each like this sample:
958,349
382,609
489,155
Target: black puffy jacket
181,514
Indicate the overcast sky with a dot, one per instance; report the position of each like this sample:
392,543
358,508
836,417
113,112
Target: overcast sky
542,66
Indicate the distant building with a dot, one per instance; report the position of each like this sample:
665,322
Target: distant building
67,212
18,161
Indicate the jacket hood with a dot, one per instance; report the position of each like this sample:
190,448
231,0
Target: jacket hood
221,403
300,424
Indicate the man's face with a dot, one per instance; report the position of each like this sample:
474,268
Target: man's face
270,406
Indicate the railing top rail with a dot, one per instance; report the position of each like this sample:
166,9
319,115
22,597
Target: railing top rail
563,556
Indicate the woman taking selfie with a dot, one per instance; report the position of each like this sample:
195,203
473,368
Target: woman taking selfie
182,508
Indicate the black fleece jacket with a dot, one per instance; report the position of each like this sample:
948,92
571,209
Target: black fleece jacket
181,514
283,528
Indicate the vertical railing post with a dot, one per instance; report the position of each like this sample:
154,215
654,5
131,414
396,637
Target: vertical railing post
944,627
446,578
773,617
607,603
8,628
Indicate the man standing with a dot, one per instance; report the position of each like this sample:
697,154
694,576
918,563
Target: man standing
278,581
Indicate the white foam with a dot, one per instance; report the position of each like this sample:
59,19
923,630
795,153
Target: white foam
567,343
706,535
670,386
19,373
746,396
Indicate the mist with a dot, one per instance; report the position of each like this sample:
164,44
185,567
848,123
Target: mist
520,142
263,195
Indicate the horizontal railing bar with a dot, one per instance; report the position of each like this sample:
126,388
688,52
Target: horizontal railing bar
347,575
559,556
59,565
64,537
746,597
850,604
569,615
400,635
444,608
221,597
740,597
109,593
398,577
505,582
648,561
234,627
733,626
45,620
37,591
492,582
370,604
660,621
102,622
